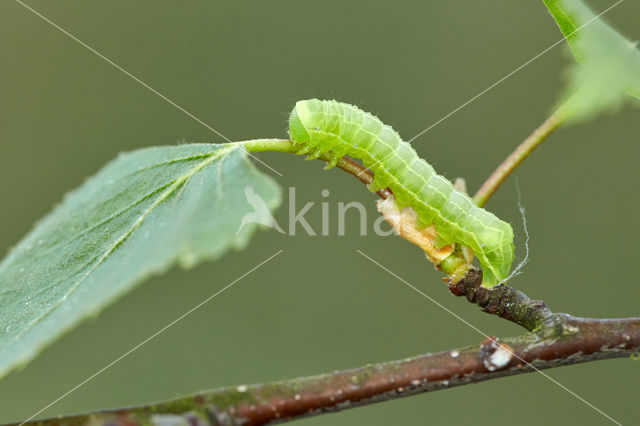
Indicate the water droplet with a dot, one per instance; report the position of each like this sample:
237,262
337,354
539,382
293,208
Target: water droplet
454,354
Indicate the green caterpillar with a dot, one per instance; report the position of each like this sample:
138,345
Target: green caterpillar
343,129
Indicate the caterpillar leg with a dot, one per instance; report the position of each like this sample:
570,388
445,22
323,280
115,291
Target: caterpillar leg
332,162
305,150
457,264
374,186
315,154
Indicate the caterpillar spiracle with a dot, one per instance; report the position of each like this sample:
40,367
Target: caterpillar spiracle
341,129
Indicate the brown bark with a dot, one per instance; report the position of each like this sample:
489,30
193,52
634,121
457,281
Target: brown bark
563,340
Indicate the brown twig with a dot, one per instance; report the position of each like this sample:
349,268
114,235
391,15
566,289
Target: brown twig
284,145
502,300
363,174
565,340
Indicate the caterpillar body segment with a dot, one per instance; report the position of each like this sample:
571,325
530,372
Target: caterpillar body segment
342,129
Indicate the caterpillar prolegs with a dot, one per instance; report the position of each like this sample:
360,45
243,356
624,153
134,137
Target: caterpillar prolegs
342,129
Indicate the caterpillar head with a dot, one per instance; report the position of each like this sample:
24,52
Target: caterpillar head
305,115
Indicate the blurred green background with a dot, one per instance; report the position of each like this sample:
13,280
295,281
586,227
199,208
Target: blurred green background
240,66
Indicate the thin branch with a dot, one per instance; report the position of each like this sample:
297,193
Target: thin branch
518,156
503,301
345,163
565,340
363,174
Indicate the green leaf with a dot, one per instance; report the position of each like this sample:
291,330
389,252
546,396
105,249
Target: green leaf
609,64
143,212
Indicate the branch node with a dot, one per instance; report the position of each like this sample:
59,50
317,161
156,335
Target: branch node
502,300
